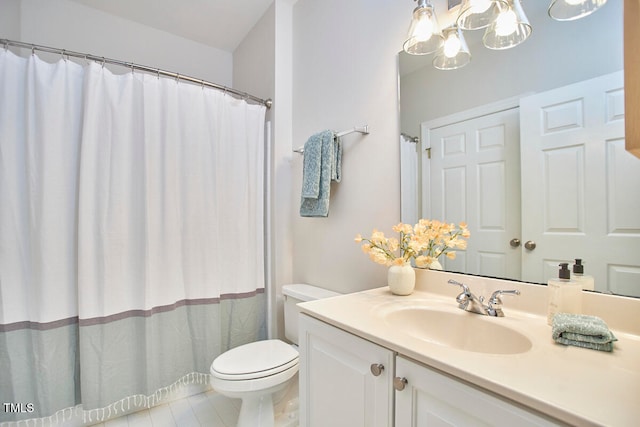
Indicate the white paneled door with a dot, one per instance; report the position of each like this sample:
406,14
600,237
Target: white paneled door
579,185
473,175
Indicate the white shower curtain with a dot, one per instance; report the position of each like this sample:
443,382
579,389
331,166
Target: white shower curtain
409,197
131,234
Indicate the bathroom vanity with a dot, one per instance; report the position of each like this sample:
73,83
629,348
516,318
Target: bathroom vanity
376,359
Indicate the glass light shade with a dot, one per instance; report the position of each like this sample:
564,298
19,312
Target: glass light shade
509,29
424,34
454,52
476,14
568,10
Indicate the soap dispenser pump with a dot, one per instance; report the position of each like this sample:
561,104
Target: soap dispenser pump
586,282
564,294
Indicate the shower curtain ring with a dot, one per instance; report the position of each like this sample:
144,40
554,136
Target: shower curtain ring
103,62
33,50
177,77
158,70
62,55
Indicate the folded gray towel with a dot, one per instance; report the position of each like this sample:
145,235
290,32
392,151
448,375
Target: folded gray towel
582,331
312,165
321,165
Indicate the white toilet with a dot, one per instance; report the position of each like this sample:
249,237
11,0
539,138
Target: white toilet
254,372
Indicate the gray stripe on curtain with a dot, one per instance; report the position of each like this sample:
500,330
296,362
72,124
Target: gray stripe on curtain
163,308
43,326
179,341
38,326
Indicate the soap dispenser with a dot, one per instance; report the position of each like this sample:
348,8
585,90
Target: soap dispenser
586,282
565,295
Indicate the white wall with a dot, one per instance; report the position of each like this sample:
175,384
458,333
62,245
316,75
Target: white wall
345,74
262,66
253,59
69,25
9,19
282,245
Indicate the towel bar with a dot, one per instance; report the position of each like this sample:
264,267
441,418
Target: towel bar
360,129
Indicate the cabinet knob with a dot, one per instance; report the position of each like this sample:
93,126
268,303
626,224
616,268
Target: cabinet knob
530,245
515,242
399,383
376,369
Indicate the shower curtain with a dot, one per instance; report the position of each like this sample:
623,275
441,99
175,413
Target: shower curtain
409,176
131,235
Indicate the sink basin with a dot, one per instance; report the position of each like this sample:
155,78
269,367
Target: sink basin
460,330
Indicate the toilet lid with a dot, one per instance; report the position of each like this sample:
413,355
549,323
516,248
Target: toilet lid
254,360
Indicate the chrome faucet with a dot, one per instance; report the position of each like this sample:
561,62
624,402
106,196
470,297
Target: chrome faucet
467,301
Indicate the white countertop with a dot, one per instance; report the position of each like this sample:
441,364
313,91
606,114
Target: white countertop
575,385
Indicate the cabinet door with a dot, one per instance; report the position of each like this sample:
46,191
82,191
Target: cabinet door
432,399
338,386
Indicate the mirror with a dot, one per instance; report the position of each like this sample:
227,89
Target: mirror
556,55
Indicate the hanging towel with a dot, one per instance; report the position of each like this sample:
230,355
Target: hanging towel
582,331
321,165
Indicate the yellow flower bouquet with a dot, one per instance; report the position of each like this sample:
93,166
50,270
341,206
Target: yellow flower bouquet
425,242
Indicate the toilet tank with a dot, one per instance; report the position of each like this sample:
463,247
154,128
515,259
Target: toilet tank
294,294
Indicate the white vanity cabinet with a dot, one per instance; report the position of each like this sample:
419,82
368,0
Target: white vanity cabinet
345,381
429,398
348,381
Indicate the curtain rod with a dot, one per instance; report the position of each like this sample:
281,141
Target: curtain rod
101,59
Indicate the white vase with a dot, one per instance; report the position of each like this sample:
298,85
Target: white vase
401,279
435,265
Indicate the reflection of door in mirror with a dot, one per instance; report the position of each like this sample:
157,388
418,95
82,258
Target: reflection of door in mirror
473,176
580,185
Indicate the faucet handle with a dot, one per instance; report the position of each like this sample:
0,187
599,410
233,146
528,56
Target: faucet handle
494,307
464,298
495,297
464,287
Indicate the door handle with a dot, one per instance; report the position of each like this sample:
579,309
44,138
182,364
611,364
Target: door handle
515,242
530,245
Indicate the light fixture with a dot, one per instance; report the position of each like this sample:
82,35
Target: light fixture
454,52
509,29
568,10
476,14
424,34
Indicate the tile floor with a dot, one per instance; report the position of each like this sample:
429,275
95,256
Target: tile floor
208,409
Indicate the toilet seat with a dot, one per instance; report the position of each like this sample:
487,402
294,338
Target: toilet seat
241,363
